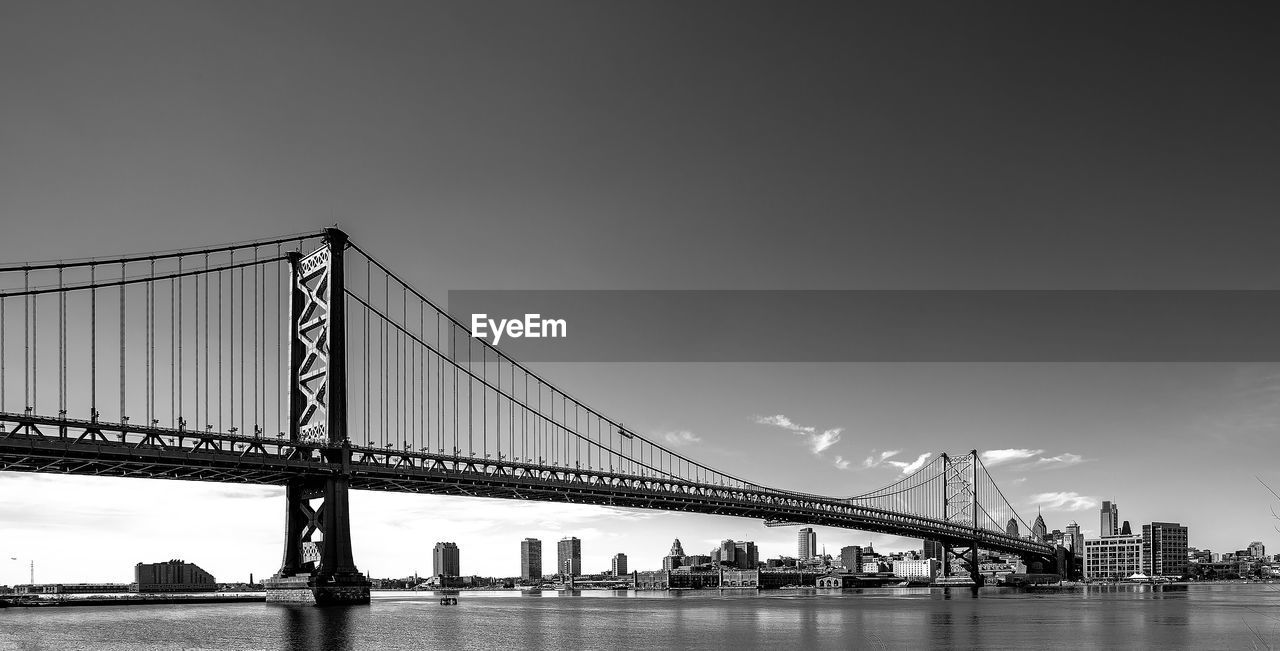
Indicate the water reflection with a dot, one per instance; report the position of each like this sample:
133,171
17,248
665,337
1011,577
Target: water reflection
328,628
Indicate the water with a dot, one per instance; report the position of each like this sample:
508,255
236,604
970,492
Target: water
1175,617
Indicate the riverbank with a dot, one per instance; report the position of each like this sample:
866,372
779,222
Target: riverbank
34,601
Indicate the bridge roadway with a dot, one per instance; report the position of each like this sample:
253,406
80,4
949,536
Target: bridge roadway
68,446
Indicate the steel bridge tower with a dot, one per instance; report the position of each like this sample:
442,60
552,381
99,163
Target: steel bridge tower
320,571
960,506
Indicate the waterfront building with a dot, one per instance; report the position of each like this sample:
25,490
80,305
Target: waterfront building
921,569
569,556
172,576
694,560
530,559
1110,519
1112,558
806,544
851,557
1164,549
445,560
619,564
1257,549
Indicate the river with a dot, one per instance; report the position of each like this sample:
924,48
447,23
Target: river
1171,617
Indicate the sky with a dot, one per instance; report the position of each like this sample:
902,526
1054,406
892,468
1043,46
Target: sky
729,145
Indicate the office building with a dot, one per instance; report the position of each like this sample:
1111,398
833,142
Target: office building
851,557
619,564
675,557
933,549
1112,558
1038,529
445,561
1011,528
1075,539
1164,549
530,559
806,544
172,576
745,555
1110,519
1257,550
569,557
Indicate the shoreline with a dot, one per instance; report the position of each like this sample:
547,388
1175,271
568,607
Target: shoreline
128,601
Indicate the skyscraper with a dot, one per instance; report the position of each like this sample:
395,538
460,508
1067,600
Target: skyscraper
806,544
1075,538
1110,519
851,557
445,560
1038,530
933,549
1012,528
1257,549
745,555
674,558
1164,549
569,556
1125,530
530,559
619,564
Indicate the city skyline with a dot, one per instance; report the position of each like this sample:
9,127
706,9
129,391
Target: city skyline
581,149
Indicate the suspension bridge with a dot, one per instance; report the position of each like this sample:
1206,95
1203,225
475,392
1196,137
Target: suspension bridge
304,362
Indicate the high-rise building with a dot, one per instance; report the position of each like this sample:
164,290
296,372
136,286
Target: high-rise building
851,557
619,564
1038,530
1075,539
1012,528
1112,558
806,544
445,561
745,555
933,549
569,556
1125,530
1110,519
530,559
1164,549
1257,549
674,558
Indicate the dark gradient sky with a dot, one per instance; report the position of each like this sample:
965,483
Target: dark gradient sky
673,145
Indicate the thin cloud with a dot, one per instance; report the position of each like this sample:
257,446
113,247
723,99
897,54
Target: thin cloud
681,437
1061,461
873,461
1064,501
908,468
997,457
817,441
841,462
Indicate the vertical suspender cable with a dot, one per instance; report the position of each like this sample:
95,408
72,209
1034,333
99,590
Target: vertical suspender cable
195,351
62,348
173,353
256,414
26,341
123,417
219,333
231,346
208,419
2,360
181,419
93,344
279,383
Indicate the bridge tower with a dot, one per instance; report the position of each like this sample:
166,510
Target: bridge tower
960,506
318,570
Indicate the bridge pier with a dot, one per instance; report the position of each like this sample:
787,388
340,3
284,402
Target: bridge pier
320,572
